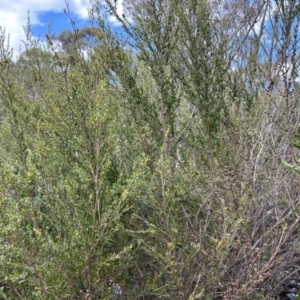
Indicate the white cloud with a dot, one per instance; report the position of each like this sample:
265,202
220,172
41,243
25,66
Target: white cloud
120,12
80,8
13,15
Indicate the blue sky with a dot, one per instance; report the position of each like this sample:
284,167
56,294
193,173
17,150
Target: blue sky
58,20
13,16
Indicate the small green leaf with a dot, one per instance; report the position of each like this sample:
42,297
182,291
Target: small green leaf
291,168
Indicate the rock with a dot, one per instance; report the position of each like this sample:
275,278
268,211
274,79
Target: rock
291,296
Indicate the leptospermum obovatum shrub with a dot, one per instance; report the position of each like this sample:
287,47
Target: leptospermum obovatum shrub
148,163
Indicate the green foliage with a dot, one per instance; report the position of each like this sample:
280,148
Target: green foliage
143,162
296,144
